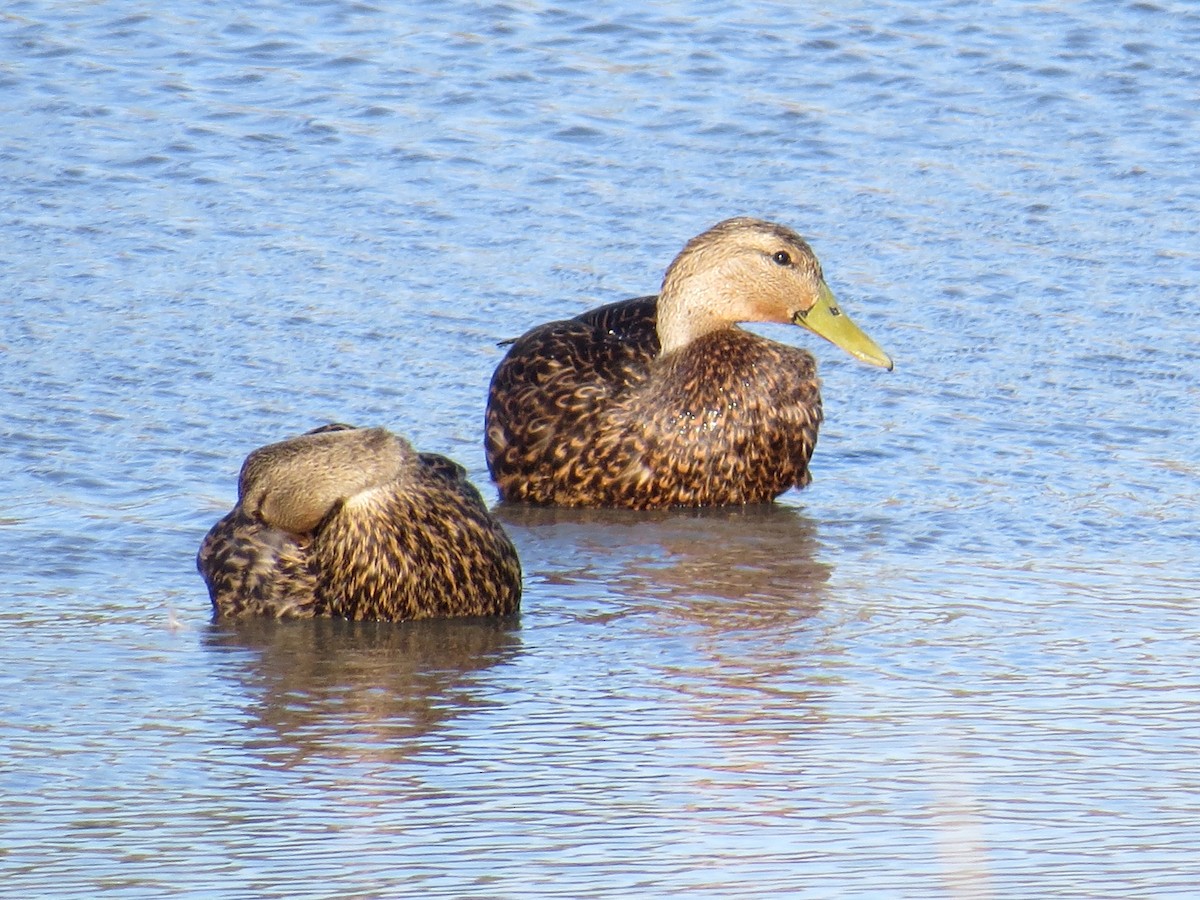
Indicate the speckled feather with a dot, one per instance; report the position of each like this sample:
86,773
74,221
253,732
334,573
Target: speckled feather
586,412
422,546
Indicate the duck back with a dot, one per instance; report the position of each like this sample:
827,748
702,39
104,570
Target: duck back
433,551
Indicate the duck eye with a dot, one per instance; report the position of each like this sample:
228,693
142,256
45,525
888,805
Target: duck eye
782,257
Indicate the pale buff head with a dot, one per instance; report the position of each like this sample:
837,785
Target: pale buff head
748,270
293,484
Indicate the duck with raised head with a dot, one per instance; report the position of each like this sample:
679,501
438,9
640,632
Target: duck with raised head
354,523
664,401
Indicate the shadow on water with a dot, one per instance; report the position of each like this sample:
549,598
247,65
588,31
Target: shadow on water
725,569
370,690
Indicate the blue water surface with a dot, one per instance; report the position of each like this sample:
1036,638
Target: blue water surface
962,663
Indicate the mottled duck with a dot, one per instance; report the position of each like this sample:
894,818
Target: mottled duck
664,401
354,523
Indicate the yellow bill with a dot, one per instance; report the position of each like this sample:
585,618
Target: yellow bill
827,319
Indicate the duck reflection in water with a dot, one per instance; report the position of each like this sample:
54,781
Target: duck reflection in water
722,569
360,690
725,597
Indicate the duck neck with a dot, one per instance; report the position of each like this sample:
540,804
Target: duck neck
689,306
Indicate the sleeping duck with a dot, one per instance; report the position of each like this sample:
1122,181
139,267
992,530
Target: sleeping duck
354,523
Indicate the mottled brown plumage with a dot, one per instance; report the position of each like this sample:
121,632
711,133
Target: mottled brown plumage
356,524
664,401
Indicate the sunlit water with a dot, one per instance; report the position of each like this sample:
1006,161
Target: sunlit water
962,663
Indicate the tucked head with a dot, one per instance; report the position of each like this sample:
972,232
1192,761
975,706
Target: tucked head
293,484
748,270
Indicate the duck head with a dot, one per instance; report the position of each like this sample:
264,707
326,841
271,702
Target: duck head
292,485
748,270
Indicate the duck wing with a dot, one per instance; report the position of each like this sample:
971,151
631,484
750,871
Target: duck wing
547,395
633,323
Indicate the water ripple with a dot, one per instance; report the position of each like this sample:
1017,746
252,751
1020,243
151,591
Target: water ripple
961,662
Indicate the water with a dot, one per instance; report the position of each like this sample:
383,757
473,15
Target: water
961,664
